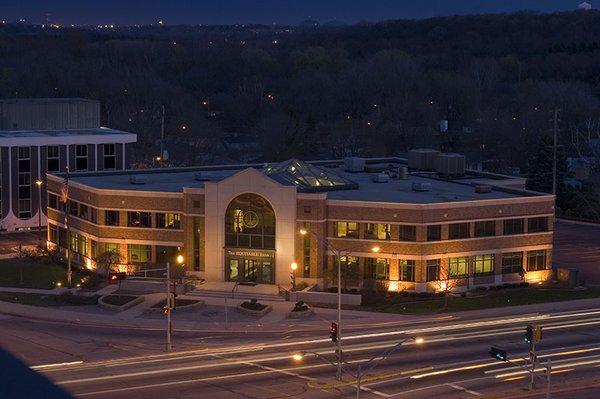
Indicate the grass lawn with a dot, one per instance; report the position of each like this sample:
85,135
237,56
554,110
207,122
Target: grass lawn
119,300
40,275
493,299
178,302
46,300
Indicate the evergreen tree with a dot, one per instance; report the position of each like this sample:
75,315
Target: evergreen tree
540,169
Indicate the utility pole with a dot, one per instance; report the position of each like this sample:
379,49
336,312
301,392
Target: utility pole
162,133
554,146
339,315
68,230
549,373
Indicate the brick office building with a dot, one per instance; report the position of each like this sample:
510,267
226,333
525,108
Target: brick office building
42,135
242,222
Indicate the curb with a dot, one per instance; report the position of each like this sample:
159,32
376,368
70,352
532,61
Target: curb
120,308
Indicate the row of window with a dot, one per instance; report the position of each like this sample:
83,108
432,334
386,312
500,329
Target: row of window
112,217
379,268
487,228
109,156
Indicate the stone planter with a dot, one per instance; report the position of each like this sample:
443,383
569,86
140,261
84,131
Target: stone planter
254,313
300,315
120,308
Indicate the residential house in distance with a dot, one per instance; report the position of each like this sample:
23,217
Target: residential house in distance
50,135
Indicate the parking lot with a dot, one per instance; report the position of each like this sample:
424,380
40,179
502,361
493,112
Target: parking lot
577,245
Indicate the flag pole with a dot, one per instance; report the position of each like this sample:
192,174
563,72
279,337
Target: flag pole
67,211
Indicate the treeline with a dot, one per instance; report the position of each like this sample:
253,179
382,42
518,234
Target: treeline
372,89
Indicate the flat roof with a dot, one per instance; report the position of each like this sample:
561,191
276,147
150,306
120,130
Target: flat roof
394,191
101,131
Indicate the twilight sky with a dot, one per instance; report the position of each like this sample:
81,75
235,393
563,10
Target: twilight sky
128,12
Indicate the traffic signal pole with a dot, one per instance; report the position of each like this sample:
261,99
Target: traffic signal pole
339,337
532,359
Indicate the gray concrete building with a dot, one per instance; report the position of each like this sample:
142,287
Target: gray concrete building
50,135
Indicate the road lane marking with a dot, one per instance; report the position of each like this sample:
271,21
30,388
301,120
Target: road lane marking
45,366
460,388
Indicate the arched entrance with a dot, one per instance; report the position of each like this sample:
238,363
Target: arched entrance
250,240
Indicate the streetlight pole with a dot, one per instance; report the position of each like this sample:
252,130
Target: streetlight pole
338,254
39,183
294,266
168,305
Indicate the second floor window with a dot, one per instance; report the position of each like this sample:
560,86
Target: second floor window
434,232
110,156
52,158
458,230
139,219
408,233
168,220
513,226
485,228
111,218
536,225
378,231
347,229
81,154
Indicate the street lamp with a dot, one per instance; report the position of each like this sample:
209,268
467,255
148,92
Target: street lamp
363,367
294,267
180,259
338,254
39,183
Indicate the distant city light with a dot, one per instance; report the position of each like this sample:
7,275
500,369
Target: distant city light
275,41
183,127
160,22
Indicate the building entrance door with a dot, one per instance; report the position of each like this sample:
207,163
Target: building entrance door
249,266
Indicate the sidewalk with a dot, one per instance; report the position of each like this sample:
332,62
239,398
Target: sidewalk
210,317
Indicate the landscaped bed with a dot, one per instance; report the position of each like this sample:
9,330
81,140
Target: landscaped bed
397,303
36,274
47,300
179,303
254,308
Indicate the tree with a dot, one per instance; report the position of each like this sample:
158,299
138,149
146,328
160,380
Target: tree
350,272
107,260
540,168
445,283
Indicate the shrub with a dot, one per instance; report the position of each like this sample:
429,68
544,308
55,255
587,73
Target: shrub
300,306
524,284
253,305
301,285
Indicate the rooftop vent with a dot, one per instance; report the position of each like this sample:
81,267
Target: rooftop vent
137,179
381,178
420,186
483,188
199,176
422,159
450,164
354,164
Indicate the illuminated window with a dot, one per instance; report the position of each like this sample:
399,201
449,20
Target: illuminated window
458,267
138,253
377,269
484,264
168,220
347,229
378,231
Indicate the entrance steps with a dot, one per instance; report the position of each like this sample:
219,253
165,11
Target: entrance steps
262,292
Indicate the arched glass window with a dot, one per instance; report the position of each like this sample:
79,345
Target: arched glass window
250,223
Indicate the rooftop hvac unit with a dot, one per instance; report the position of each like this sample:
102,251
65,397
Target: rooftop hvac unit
449,164
138,179
422,159
354,164
483,188
403,172
381,178
419,186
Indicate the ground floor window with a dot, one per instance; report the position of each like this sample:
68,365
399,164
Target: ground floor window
377,269
433,270
484,264
138,253
166,254
53,233
512,262
407,269
536,260
458,267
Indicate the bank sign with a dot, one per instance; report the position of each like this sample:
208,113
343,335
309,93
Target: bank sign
246,253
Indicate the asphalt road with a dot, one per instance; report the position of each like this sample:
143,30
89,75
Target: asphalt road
100,362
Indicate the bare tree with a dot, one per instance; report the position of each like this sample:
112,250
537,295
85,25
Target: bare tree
107,260
446,284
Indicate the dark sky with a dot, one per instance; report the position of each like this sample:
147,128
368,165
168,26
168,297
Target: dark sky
126,12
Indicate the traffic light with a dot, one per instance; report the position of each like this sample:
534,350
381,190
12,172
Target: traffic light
529,334
333,332
166,310
537,334
499,354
